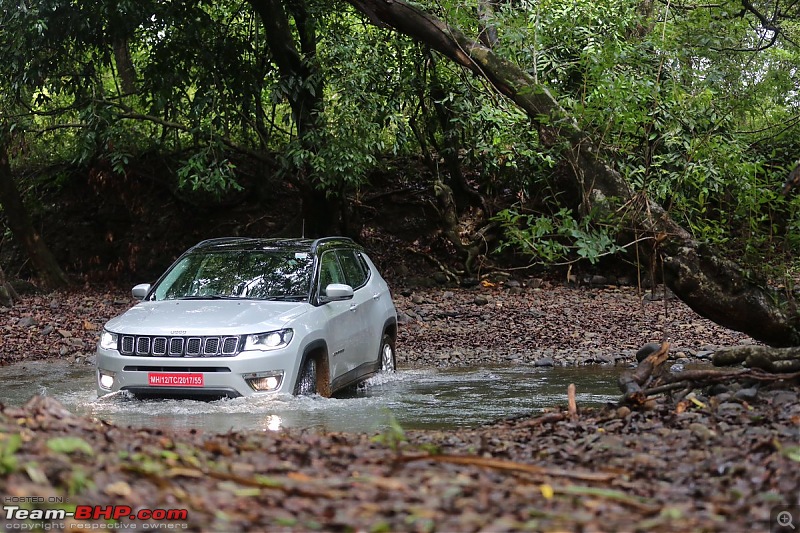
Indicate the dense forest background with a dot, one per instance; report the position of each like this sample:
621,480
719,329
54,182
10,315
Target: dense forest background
553,132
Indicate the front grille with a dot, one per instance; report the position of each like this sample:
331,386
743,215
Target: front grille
195,369
210,346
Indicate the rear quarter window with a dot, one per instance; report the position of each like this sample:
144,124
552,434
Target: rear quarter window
355,270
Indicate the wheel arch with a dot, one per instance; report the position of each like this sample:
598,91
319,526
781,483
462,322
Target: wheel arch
318,352
390,328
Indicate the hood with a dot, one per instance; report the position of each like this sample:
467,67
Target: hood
206,317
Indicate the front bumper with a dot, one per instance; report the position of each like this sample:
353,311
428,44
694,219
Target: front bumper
221,376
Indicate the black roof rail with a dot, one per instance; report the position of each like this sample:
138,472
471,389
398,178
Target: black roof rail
324,240
216,240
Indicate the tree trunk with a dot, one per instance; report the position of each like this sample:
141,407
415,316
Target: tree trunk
713,286
321,211
125,68
50,274
7,293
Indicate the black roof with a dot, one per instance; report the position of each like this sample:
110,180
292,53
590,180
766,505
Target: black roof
290,244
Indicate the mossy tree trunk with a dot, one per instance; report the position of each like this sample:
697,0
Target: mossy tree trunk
709,283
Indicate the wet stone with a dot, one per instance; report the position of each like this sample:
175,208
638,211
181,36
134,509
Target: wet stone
701,430
536,313
440,278
598,280
544,361
723,397
748,394
26,322
647,349
783,397
717,389
731,407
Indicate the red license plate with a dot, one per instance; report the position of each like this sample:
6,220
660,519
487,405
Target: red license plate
182,379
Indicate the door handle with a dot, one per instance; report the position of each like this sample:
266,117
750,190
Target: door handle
353,308
376,296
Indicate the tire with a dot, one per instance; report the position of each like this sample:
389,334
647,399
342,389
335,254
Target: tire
387,355
307,380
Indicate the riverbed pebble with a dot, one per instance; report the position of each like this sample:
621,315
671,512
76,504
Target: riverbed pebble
549,326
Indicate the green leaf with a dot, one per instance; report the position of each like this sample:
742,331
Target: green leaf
792,453
69,445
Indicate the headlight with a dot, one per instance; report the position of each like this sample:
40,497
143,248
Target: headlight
272,340
108,340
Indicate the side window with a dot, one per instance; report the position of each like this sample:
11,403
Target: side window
353,268
329,271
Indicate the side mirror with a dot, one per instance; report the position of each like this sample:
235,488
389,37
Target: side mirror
140,291
336,292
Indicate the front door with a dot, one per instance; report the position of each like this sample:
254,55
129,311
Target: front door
343,319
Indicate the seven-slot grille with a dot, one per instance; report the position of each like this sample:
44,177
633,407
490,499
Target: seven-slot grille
207,346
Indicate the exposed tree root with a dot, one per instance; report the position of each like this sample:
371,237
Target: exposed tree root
695,379
631,383
766,365
452,275
778,360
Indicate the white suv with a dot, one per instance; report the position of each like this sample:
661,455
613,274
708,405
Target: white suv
240,316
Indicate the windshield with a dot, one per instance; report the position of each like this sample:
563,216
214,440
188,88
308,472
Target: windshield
259,274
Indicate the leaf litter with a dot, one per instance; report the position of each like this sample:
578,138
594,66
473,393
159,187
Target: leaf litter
719,463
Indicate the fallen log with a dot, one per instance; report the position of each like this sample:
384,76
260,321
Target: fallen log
631,383
777,360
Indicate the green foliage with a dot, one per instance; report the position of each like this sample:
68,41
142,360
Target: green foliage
792,453
681,103
78,481
393,436
69,445
9,444
205,171
690,105
557,238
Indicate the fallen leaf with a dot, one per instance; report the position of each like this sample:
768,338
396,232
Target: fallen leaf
118,488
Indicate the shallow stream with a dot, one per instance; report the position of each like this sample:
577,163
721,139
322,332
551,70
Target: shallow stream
416,399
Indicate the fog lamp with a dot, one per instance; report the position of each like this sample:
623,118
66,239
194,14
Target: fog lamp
106,379
264,381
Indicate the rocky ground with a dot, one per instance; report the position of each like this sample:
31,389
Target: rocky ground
718,458
545,323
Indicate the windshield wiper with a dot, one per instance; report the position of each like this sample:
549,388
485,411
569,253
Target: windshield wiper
209,297
285,297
